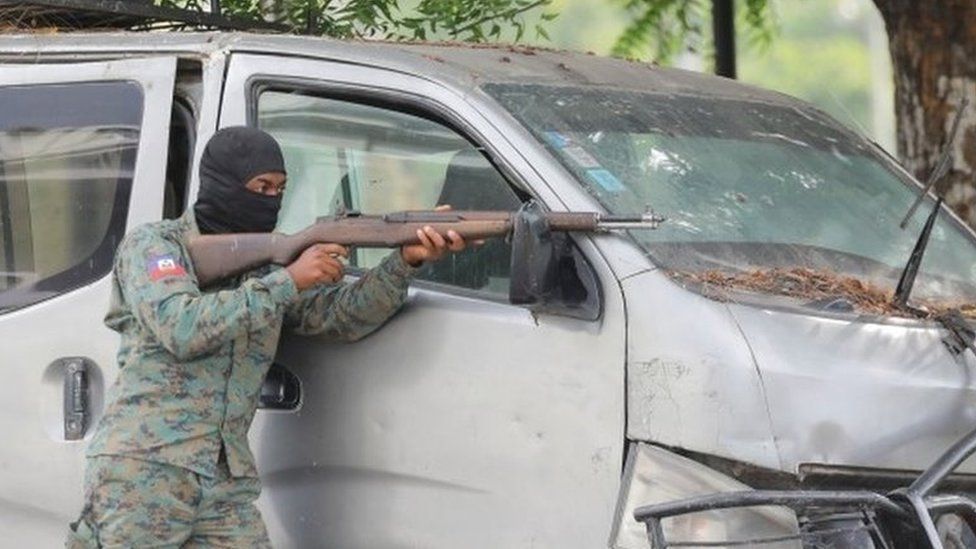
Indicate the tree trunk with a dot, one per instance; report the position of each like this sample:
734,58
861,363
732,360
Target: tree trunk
933,53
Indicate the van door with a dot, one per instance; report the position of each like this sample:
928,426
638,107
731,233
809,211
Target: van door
82,159
465,421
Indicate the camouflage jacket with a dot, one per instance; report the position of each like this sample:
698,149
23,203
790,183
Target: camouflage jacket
191,363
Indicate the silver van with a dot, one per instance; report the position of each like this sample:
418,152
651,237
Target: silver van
647,372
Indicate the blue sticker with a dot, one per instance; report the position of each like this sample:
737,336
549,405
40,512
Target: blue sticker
607,180
557,139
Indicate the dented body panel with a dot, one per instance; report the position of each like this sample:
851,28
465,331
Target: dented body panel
779,389
860,393
693,383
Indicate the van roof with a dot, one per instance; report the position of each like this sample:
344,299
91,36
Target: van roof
459,65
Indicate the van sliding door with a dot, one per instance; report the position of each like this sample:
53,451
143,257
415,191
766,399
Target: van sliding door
82,160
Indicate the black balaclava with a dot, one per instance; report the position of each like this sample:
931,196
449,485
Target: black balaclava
232,157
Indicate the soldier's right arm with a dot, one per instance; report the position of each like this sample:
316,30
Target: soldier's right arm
166,301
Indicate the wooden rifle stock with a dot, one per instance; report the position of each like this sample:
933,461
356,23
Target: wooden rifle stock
220,256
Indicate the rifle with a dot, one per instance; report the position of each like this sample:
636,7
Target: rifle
220,256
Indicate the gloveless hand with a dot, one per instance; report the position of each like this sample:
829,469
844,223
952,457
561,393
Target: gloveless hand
318,264
432,244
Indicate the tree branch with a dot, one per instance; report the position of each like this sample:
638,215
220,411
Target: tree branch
506,15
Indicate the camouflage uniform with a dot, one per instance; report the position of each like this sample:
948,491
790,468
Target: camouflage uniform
191,365
137,503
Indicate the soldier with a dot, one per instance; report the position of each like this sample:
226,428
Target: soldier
169,463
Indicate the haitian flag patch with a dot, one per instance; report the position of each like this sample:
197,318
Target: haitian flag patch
161,266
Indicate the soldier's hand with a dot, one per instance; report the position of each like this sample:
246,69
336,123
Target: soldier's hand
432,244
318,264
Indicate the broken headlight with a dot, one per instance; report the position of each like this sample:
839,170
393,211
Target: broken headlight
654,475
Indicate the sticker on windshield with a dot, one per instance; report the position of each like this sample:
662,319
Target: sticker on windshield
557,139
607,180
582,158
577,154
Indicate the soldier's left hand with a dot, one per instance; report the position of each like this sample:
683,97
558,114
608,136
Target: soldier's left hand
432,244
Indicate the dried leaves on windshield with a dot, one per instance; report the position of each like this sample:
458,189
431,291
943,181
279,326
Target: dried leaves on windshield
810,285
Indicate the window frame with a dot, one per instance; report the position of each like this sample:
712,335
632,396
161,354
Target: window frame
434,111
392,100
155,75
75,276
183,108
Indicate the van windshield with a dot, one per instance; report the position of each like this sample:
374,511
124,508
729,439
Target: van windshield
761,198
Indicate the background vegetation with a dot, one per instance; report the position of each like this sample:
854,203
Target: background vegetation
830,52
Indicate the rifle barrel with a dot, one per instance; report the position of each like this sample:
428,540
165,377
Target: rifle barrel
648,220
219,256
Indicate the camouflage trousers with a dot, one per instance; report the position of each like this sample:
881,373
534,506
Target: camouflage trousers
135,503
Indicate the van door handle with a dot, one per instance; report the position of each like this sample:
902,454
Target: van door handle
281,390
76,398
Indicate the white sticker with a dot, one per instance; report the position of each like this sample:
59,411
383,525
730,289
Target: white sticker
579,155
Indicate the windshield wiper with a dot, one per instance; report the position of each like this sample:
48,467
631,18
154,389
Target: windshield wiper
961,334
907,279
941,167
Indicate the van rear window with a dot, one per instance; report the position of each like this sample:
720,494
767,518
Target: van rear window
67,155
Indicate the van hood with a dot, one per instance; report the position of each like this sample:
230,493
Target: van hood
779,388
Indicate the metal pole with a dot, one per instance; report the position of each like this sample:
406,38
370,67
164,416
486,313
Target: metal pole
723,34
215,7
311,18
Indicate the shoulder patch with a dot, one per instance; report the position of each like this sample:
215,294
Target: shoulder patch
162,266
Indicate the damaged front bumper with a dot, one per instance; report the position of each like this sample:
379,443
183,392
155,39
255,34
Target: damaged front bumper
734,516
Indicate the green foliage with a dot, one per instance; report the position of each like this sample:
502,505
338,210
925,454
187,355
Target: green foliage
662,28
663,25
467,20
822,54
470,20
849,91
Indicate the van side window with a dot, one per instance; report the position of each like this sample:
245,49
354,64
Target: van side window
67,155
375,160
